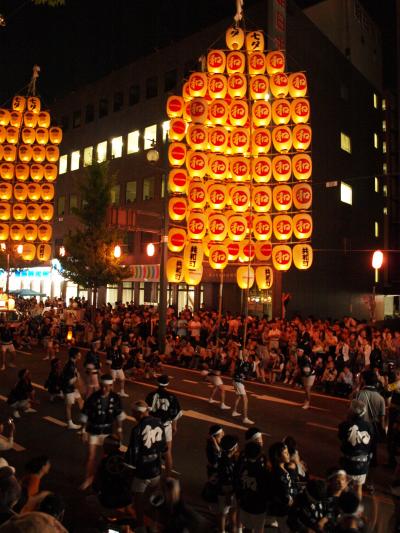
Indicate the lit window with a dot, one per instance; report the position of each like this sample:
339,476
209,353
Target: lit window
376,184
116,147
150,136
383,125
88,156
130,191
102,152
376,140
133,142
385,191
61,205
345,142
148,188
73,201
384,147
376,229
75,156
115,190
385,210
383,104
384,168
165,130
375,101
63,164
346,193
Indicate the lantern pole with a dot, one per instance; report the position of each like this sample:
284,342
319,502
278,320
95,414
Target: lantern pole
221,288
8,271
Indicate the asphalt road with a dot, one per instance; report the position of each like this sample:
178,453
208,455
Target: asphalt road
276,409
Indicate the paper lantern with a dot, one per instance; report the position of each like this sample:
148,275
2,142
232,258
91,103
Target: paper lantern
261,113
302,256
176,154
196,225
245,277
216,61
261,198
235,62
281,168
186,112
283,227
30,232
237,227
247,251
237,85
6,171
217,226
30,119
260,141
50,171
197,136
52,153
177,208
240,198
302,196
218,139
186,94
282,197
37,171
45,232
264,277
20,192
15,119
301,136
12,135
5,211
32,212
263,251
193,255
218,112
196,164
198,110
46,211
261,169
232,249
25,153
198,84
176,239
43,119
193,277
177,129
297,85
22,171
28,135
4,232
9,152
239,168
47,192
275,62
282,138
3,135
262,227
281,257
5,190
240,140
238,112
16,232
4,117
281,111
302,166
256,62
302,226
39,153
218,166
259,87
55,135
279,85
218,257
300,110
178,180
217,196
217,86
234,38
19,103
28,252
33,104
207,243
197,196
174,106
255,41
43,252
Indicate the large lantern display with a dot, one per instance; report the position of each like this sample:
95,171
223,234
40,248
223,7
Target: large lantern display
239,185
29,153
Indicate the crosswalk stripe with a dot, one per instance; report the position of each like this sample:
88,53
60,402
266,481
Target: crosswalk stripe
190,381
25,353
322,426
55,421
38,386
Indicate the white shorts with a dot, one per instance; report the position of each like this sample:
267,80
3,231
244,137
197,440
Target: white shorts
168,432
239,388
7,347
252,521
216,381
92,380
225,503
118,374
358,480
96,440
308,381
141,485
72,397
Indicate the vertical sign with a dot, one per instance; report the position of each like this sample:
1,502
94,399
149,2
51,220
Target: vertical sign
277,24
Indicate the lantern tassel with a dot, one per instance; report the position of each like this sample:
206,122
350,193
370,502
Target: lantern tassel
32,83
239,11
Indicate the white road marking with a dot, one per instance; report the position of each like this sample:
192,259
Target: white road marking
38,386
190,381
3,398
55,421
322,426
214,420
25,353
18,447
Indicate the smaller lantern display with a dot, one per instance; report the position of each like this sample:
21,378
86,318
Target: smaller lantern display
193,277
302,256
175,269
28,252
245,277
264,277
43,252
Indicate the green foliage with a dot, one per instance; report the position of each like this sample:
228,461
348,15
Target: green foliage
89,259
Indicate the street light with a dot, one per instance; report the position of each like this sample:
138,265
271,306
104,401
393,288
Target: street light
9,250
117,251
150,249
377,261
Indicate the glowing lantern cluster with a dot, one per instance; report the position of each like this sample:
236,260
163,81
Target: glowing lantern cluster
241,167
29,156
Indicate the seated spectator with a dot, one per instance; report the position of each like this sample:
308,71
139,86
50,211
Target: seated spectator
329,376
33,523
35,469
337,483
296,463
290,369
345,382
309,510
21,394
10,493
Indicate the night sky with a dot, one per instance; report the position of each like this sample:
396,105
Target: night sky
86,39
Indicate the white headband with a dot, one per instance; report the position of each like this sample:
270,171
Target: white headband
256,436
107,381
140,408
337,473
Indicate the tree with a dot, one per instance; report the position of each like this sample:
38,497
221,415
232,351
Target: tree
89,261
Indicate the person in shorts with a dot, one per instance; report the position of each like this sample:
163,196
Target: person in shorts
307,373
7,345
115,359
214,378
69,385
22,394
225,480
242,370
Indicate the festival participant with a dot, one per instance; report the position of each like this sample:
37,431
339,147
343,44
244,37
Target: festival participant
6,345
225,480
307,373
69,380
165,406
116,359
92,367
213,449
214,378
53,382
22,394
243,368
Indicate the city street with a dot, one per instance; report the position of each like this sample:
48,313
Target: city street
275,409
